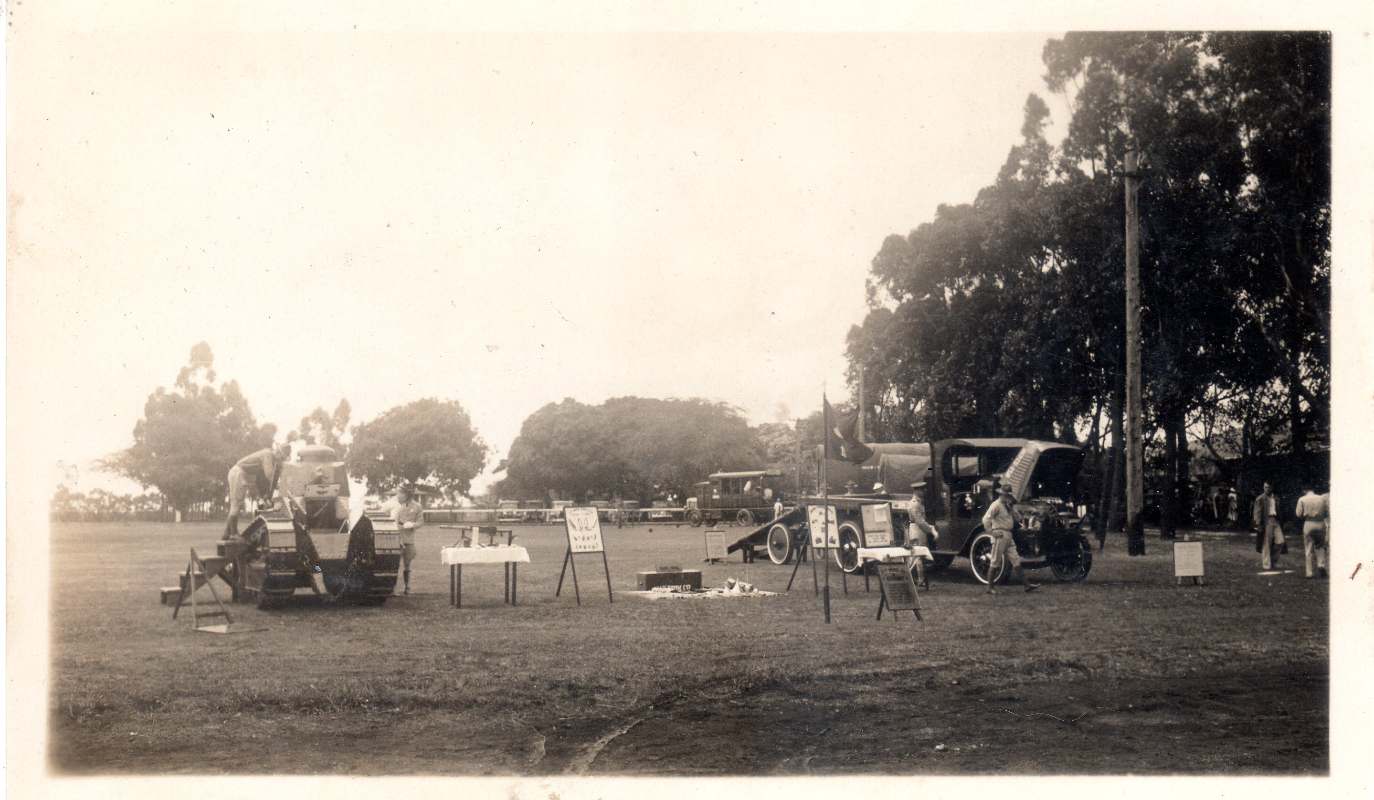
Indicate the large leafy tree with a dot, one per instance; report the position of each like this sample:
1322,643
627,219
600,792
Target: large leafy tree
428,440
630,447
1005,315
190,434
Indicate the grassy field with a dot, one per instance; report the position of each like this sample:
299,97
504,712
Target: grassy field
1126,672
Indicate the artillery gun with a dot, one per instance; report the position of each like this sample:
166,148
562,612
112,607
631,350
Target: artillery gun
308,540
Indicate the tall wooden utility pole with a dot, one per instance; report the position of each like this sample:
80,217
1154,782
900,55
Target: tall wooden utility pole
1135,460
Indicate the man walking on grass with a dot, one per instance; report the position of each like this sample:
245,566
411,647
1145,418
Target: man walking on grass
999,520
1313,512
1265,514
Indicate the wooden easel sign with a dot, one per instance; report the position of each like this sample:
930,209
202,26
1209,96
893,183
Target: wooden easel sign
715,545
1188,561
583,526
898,589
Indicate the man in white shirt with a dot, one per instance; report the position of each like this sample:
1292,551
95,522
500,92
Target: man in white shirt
999,520
1313,511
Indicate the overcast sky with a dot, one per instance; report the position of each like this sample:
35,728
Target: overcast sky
505,220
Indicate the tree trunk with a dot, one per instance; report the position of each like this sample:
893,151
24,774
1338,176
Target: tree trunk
1176,503
1168,496
1183,476
1297,428
1116,485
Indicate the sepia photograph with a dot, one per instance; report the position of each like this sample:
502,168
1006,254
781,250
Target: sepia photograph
860,398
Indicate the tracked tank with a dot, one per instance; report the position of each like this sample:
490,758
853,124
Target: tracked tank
310,543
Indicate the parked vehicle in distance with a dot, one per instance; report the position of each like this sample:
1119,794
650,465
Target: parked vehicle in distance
744,498
555,512
508,511
663,511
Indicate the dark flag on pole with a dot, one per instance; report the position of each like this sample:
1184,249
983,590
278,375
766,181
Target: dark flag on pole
841,438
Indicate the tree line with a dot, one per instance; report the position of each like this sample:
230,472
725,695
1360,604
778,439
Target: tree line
628,447
647,448
193,431
1005,315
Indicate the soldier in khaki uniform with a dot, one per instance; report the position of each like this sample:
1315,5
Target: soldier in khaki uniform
920,532
409,518
999,520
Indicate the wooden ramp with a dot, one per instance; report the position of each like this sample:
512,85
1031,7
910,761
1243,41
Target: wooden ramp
758,537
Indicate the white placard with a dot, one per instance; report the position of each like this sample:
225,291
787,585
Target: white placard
877,520
1187,559
584,530
815,518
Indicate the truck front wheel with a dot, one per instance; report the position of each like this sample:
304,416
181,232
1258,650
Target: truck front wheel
980,560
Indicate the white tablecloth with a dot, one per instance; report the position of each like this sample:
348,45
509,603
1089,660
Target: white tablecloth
484,555
886,553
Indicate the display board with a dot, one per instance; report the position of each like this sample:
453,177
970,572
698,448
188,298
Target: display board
715,545
1188,560
816,519
877,519
583,526
584,530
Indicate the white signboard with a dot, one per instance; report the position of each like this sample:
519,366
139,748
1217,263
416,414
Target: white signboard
584,530
815,519
877,525
1188,559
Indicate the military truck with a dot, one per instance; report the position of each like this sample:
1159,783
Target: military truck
309,541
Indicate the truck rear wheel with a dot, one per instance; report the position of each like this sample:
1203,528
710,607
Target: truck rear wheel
745,517
1074,562
779,544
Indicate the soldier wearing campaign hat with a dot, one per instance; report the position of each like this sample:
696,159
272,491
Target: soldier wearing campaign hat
999,520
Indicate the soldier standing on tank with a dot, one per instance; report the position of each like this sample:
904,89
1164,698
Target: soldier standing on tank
409,517
257,472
